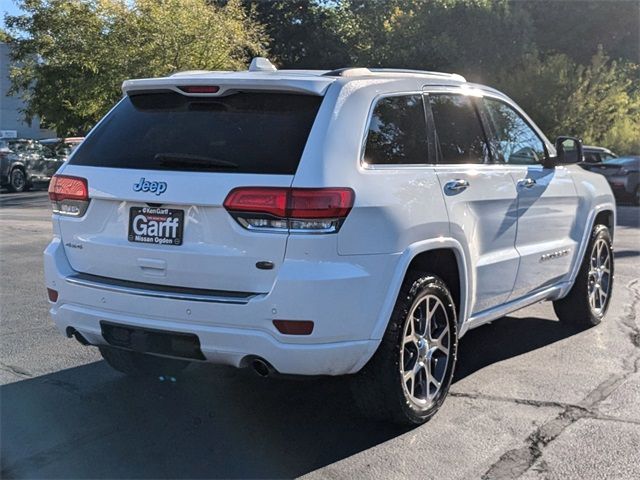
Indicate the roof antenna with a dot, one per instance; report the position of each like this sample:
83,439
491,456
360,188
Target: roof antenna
261,64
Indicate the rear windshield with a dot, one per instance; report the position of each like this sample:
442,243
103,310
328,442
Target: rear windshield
241,133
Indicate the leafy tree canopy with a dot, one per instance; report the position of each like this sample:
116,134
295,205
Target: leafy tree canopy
549,55
599,102
571,65
72,55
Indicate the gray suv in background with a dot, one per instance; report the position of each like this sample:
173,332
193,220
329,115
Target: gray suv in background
623,175
25,162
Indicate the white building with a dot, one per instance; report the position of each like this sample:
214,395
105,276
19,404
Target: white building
12,123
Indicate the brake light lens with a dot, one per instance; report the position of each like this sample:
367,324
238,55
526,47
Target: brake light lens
200,89
295,210
69,195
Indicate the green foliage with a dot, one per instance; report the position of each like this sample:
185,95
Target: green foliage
72,55
599,102
578,27
541,53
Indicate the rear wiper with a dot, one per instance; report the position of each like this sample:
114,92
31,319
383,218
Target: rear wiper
186,159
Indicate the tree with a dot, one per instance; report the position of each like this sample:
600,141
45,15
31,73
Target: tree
576,28
599,102
306,33
72,55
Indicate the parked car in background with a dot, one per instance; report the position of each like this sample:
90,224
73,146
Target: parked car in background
597,154
62,147
26,162
11,174
623,175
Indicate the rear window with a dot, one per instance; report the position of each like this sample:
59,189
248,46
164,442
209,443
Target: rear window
241,133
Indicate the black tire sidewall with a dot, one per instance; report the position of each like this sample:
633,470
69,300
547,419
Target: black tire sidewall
421,286
12,187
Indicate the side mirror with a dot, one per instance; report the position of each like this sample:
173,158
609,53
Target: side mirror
569,150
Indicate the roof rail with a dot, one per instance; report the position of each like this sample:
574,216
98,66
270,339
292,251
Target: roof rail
355,71
347,72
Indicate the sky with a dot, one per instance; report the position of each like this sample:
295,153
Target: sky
7,7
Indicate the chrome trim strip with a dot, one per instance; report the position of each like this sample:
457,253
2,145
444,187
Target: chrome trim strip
84,282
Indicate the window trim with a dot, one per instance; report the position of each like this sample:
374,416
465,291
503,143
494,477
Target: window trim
524,118
479,116
365,134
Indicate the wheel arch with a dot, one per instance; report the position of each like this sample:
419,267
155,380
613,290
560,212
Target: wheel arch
18,164
605,217
444,257
604,214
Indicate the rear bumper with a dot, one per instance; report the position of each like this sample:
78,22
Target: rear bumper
343,300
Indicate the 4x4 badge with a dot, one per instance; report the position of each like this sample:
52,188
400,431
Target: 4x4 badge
146,186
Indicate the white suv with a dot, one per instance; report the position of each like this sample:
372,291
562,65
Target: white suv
356,221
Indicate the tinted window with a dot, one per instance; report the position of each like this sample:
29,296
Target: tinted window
241,133
397,132
515,141
458,129
591,157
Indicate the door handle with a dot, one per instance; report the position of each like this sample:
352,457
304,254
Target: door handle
527,182
457,185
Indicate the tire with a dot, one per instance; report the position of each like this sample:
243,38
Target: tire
588,300
17,180
139,364
636,196
379,389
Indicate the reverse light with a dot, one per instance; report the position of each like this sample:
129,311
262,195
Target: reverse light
69,195
295,210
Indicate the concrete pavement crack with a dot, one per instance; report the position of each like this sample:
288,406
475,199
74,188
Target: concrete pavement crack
520,401
514,463
17,371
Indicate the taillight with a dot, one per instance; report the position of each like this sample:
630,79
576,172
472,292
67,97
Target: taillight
69,195
297,210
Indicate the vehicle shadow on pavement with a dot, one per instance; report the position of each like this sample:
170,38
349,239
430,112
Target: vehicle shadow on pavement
91,422
506,338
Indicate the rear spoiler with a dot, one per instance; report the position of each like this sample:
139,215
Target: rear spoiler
231,82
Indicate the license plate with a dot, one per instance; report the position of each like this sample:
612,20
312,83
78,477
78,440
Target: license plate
161,226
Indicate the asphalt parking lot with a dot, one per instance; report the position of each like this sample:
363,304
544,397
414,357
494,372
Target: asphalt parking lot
532,398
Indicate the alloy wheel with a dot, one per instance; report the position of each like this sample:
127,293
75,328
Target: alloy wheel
599,285
424,355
